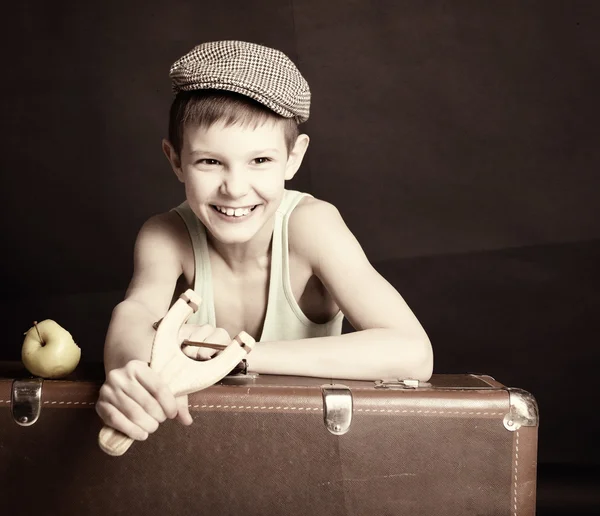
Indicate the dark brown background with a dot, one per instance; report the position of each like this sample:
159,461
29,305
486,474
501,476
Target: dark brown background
458,139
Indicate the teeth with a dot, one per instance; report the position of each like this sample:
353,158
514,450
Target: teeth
239,212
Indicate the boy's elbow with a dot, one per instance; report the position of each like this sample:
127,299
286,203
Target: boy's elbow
415,361
424,368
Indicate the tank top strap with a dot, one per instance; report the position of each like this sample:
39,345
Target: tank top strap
279,246
203,284
282,316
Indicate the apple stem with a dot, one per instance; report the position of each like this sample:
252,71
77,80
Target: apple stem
38,332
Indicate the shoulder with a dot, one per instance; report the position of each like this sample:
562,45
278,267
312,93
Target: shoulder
158,252
167,226
162,237
311,210
313,227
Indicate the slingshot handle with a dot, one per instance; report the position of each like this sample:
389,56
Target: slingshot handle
113,442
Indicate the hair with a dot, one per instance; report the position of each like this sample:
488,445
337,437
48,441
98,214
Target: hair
206,107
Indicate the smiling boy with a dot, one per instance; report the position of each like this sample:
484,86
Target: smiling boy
278,264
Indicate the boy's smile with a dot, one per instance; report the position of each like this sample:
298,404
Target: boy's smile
235,215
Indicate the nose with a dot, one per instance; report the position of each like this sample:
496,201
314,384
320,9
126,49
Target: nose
235,183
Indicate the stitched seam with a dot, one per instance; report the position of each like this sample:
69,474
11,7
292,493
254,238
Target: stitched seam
403,411
357,389
68,403
273,407
59,402
353,389
256,407
515,473
393,411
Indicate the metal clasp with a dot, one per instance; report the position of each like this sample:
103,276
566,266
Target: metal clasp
337,408
26,401
396,383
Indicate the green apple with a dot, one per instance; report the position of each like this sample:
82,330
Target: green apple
49,350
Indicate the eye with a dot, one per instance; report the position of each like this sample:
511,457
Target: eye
207,161
261,161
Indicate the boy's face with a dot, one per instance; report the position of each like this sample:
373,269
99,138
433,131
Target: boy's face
237,169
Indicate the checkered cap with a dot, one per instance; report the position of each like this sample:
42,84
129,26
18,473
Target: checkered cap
261,73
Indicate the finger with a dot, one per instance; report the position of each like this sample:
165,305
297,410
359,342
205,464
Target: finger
146,399
196,332
130,390
183,414
113,398
198,353
112,417
219,336
158,391
134,412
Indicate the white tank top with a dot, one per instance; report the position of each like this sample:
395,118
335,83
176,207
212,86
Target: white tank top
284,319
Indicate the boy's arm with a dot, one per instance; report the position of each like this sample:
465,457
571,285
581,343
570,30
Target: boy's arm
157,266
389,341
134,399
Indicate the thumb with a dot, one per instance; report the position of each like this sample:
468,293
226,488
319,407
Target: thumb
183,410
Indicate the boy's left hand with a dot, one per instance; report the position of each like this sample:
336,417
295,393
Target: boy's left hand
203,333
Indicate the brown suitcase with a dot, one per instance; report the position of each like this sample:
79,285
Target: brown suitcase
276,445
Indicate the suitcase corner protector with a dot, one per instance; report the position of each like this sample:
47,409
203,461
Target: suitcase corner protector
523,409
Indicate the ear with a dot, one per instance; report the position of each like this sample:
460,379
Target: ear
173,158
296,156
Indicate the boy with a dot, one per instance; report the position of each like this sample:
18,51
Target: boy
278,264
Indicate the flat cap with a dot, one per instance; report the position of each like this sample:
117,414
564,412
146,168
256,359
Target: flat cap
261,73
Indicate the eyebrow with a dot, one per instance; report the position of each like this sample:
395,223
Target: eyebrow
254,153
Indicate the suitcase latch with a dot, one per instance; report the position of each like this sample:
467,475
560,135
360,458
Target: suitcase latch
26,401
396,383
337,408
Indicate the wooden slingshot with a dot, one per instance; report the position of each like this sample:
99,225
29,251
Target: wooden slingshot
182,374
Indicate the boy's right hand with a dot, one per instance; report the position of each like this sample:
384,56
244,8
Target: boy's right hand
135,400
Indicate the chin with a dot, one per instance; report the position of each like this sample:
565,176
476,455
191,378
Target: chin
237,232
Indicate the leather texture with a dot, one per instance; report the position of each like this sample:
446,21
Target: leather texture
260,446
